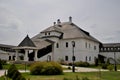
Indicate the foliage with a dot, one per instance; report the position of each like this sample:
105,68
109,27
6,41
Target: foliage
11,70
3,62
104,66
82,64
36,68
14,74
110,67
46,68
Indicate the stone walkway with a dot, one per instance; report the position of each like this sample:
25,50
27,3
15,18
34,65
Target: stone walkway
84,69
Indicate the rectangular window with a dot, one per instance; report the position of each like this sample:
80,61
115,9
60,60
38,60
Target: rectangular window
90,58
66,44
89,45
94,47
86,58
86,44
66,58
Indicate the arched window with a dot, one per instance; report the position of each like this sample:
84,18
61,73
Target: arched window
57,45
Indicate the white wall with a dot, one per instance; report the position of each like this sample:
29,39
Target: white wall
111,54
80,51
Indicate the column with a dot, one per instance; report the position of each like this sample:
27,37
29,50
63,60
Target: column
26,55
16,55
36,58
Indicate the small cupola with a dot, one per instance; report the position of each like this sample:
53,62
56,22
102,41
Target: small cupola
58,21
70,19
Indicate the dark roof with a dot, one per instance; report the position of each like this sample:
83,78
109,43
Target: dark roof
27,42
111,44
7,46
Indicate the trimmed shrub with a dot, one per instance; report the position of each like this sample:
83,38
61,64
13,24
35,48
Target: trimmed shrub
110,67
14,74
82,64
46,68
12,69
36,68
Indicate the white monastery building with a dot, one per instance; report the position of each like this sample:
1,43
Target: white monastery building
64,41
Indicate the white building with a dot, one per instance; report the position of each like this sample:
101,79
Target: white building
60,37
110,51
6,52
55,44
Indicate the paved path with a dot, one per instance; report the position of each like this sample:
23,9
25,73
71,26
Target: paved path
84,69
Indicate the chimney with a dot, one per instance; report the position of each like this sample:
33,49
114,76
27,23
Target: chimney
70,19
58,21
54,23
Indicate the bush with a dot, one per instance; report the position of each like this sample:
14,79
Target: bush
36,68
110,67
46,68
3,62
104,66
14,74
82,64
12,69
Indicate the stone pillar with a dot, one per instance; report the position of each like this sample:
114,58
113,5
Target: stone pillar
36,58
26,55
16,55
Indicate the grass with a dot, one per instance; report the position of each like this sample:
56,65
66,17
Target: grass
19,66
72,76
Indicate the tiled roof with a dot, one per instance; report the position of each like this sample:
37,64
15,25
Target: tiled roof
52,28
70,30
41,43
27,42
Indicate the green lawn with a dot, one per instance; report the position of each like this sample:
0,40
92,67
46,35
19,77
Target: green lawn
19,66
72,76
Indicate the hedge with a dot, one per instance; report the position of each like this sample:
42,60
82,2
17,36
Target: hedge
46,68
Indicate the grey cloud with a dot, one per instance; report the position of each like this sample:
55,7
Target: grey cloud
31,17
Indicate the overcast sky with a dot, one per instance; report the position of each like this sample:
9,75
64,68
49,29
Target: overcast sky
101,18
